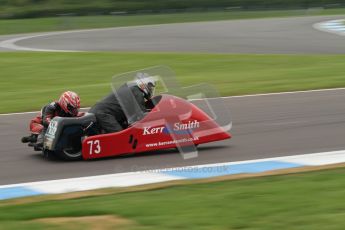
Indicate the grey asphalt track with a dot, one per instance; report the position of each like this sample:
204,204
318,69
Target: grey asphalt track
273,35
263,126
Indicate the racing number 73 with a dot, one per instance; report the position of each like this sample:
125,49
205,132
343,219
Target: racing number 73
95,146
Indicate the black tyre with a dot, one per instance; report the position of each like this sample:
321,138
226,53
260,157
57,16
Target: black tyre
69,147
71,154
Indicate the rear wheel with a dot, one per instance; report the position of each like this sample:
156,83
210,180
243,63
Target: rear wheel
72,154
73,150
69,147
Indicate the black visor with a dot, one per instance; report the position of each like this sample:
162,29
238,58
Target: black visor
72,110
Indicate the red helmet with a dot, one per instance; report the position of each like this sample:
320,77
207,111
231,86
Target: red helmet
70,102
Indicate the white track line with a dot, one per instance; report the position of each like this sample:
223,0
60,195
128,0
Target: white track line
228,97
287,92
333,26
23,113
10,43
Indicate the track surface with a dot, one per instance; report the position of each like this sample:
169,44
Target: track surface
274,35
263,126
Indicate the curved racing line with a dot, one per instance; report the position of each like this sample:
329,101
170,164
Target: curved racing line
11,43
333,26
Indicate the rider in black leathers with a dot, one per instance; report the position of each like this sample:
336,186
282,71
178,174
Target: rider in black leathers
123,106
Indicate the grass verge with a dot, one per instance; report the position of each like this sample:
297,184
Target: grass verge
29,80
15,26
312,200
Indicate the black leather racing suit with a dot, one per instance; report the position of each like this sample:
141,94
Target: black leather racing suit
114,111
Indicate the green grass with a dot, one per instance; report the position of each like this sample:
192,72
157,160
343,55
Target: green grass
30,80
313,200
15,26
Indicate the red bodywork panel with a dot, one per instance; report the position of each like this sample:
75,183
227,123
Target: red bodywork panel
173,121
